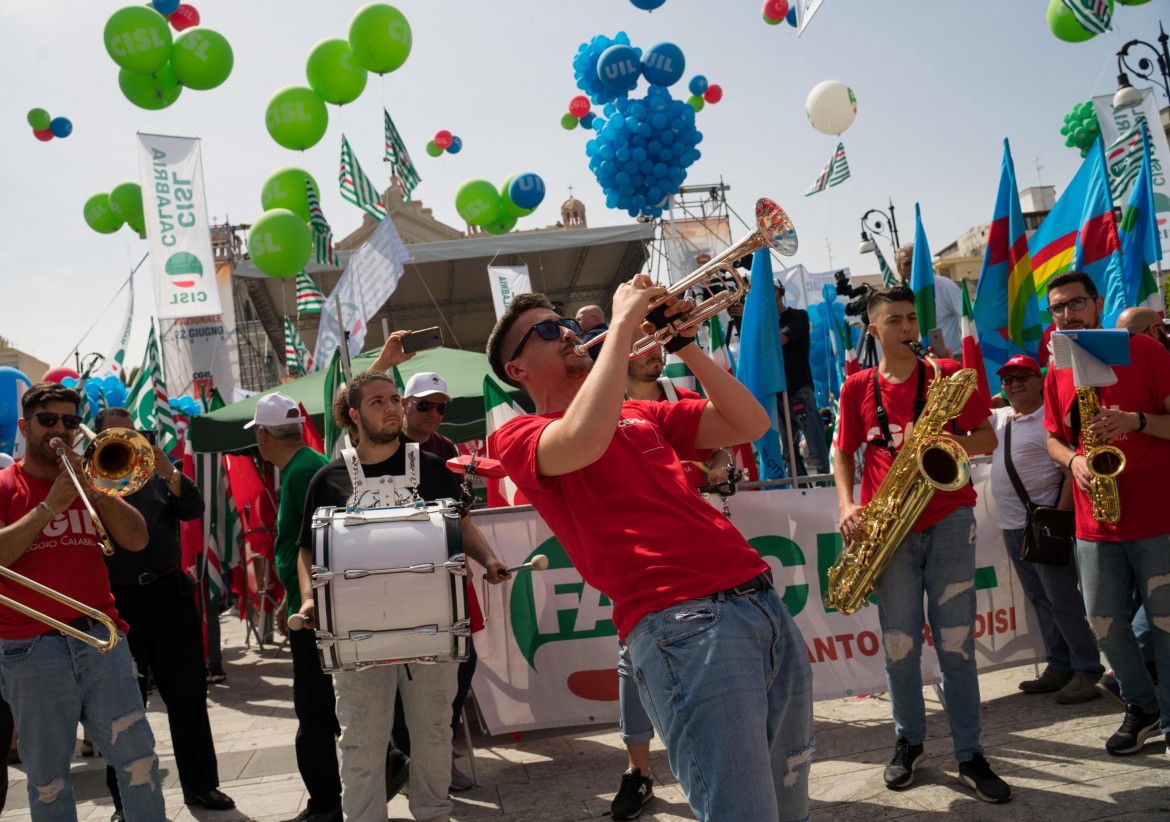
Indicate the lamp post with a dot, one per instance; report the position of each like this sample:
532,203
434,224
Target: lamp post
1127,96
889,230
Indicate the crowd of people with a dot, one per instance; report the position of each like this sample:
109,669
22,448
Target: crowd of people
708,657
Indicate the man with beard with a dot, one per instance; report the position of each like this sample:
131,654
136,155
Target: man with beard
53,681
370,408
1113,559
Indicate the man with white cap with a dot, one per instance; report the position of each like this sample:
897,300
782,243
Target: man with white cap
425,401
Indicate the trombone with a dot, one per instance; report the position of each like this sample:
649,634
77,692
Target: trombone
773,230
104,645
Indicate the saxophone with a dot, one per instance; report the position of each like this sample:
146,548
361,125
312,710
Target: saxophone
1105,461
926,463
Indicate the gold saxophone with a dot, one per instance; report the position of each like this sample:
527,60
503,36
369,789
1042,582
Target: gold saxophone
1105,461
927,462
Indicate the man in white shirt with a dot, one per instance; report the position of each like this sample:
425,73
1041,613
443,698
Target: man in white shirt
948,302
1074,662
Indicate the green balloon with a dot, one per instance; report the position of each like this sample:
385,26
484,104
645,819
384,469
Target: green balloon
280,243
138,39
297,118
152,93
696,102
1064,25
334,73
1133,2
433,149
477,202
380,38
99,216
507,206
126,203
39,119
569,122
502,224
202,58
285,188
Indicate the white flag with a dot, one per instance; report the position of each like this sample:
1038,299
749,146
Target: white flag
506,282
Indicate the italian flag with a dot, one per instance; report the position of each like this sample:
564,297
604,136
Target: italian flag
720,351
972,352
499,408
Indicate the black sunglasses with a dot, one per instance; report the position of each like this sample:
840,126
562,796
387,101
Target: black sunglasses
426,406
48,419
1012,379
548,330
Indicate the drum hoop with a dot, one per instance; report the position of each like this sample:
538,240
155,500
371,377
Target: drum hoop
327,538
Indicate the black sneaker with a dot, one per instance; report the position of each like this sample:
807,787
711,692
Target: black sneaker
899,773
636,791
976,773
1137,727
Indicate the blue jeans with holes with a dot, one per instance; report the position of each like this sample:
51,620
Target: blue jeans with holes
637,729
940,563
53,682
1109,573
727,683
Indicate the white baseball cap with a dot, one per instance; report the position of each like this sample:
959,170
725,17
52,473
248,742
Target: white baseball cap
426,384
276,409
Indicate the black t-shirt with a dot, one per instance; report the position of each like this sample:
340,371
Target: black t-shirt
797,371
331,485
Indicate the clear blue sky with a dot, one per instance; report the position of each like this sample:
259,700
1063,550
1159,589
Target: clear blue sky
939,85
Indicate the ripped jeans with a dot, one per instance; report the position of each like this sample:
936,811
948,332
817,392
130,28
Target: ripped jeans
940,563
727,683
53,682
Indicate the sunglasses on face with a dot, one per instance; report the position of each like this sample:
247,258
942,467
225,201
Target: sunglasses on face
548,330
1075,304
48,419
426,406
1012,379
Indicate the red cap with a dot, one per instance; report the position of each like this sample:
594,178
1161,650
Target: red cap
1020,361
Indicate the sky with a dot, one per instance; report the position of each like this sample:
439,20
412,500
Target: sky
939,85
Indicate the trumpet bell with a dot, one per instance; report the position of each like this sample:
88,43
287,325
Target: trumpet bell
118,461
773,222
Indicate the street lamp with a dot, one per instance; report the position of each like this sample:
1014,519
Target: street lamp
889,229
1127,96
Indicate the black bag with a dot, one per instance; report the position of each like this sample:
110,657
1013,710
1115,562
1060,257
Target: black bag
1048,531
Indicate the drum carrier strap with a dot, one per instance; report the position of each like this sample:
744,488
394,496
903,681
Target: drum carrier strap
385,491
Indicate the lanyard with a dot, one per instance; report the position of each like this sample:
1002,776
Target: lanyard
887,440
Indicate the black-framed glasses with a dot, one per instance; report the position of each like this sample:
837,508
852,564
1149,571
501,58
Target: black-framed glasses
1075,304
1012,379
48,419
426,406
548,330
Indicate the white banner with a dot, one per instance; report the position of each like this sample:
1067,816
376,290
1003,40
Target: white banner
1115,123
803,288
506,282
175,213
370,278
548,655
197,356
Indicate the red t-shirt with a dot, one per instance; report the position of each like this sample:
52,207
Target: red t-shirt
630,522
1143,385
66,556
696,475
857,425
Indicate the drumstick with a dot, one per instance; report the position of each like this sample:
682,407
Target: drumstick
298,621
539,562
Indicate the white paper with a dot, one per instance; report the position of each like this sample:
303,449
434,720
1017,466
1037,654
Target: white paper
1088,371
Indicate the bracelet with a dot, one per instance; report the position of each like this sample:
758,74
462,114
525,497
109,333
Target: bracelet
1070,460
1141,420
45,505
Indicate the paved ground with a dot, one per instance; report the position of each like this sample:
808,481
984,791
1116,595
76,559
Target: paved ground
1052,755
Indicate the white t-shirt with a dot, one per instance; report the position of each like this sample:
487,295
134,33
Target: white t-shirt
1038,473
5,460
948,313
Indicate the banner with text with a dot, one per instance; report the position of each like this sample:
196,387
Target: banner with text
175,212
1121,132
506,282
548,654
197,356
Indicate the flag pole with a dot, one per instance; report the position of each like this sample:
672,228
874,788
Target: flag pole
344,334
788,435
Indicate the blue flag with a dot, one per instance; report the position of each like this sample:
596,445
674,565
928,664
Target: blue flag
922,279
1141,246
761,360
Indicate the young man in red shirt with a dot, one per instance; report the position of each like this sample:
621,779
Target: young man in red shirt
1134,553
878,409
721,668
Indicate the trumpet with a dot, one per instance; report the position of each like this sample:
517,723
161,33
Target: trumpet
773,230
104,645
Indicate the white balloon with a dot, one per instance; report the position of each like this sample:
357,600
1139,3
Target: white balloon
831,107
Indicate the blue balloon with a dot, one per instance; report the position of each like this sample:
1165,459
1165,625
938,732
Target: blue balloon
587,120
585,64
456,146
791,17
13,383
116,397
647,5
698,84
61,127
618,68
527,190
664,65
69,382
174,403
165,7
93,390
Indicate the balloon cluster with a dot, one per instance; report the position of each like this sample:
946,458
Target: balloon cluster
779,11
13,384
45,128
156,67
496,211
106,213
337,71
605,80
1064,24
281,241
186,405
703,92
444,141
1081,128
831,107
578,114
108,391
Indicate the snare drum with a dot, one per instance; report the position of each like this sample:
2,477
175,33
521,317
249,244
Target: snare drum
389,586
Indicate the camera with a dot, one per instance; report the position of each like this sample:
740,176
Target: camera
860,294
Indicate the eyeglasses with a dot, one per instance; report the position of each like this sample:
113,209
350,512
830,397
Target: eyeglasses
1075,304
1012,379
548,330
48,419
426,406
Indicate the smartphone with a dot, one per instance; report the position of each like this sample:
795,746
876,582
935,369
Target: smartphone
150,436
422,340
938,342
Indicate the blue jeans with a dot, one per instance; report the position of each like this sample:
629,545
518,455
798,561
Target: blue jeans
940,562
728,685
636,726
802,405
53,682
1060,609
1109,573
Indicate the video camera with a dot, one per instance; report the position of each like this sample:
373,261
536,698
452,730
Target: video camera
859,294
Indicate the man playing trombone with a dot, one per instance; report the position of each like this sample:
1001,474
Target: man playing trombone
53,680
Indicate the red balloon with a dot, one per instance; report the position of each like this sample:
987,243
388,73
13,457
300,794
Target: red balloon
443,139
184,17
58,373
775,10
713,94
45,135
579,106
